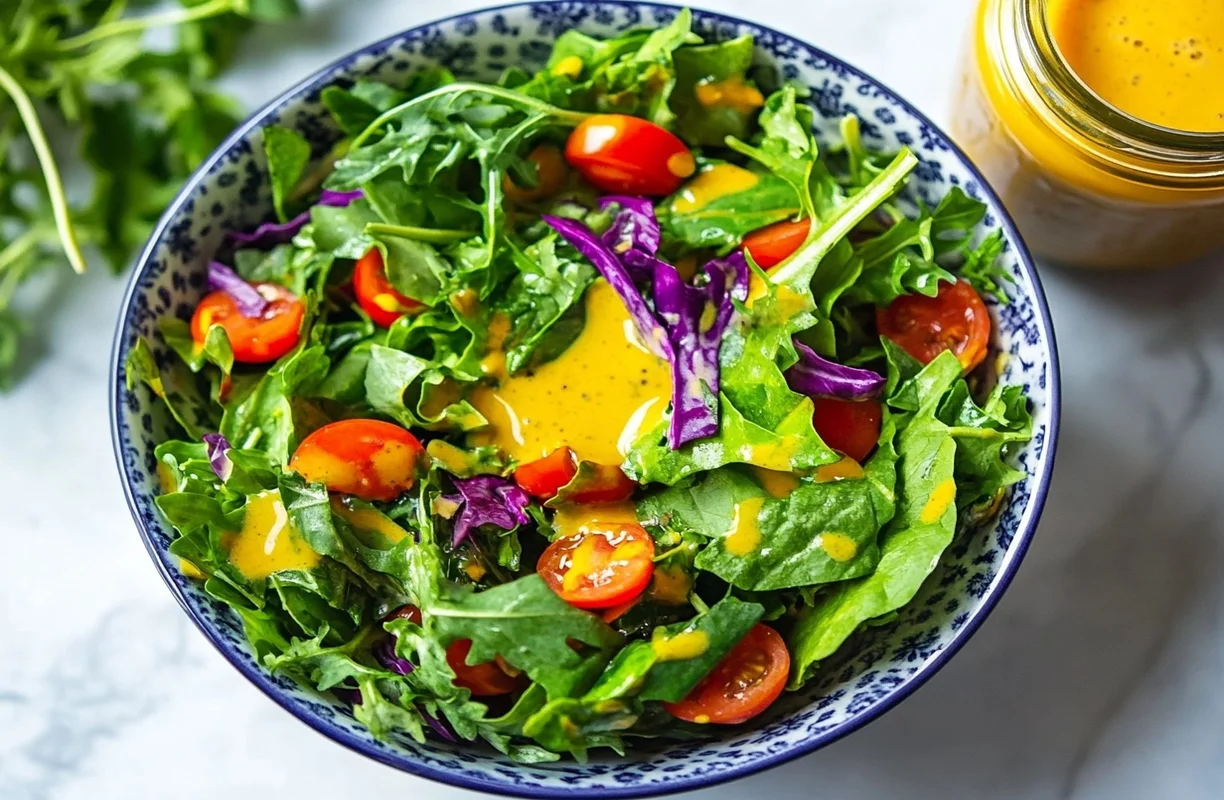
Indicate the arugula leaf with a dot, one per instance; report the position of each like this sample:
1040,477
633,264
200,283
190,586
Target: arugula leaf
287,154
263,416
985,437
641,82
709,125
910,545
543,302
529,626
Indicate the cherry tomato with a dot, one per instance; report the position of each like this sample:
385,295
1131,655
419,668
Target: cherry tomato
956,319
254,340
773,244
608,565
483,680
544,476
742,685
628,155
551,174
614,613
363,457
850,426
375,293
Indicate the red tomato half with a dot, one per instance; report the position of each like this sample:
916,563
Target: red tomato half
375,293
254,340
627,155
773,244
745,682
850,426
551,174
483,680
367,458
604,567
543,477
956,319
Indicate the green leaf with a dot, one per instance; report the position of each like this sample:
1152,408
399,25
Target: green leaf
985,438
175,385
729,62
543,303
263,416
911,543
287,154
722,222
216,350
529,626
641,82
721,628
398,384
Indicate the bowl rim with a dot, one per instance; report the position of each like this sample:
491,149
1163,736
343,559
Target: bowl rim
1027,524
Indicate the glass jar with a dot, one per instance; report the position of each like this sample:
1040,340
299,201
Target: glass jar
1087,184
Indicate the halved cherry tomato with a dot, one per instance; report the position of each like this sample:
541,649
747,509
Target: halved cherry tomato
609,564
544,476
375,293
364,457
254,340
773,244
851,426
745,682
628,155
614,613
551,173
483,680
956,319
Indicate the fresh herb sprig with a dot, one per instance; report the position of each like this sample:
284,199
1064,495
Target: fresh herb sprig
79,87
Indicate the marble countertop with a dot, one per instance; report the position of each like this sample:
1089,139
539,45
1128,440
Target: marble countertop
1098,676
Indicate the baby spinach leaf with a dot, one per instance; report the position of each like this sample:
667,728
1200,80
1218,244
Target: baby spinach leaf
721,627
216,350
263,416
722,222
175,385
911,543
543,302
287,154
709,125
398,384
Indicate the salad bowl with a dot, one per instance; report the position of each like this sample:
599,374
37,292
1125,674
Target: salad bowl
883,665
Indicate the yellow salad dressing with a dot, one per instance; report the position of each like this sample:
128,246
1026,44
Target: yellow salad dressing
745,534
267,542
597,397
680,647
1159,60
711,184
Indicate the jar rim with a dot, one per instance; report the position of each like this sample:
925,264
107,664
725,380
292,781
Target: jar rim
1081,107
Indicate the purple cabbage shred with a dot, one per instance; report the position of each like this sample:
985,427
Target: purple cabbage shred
218,455
816,376
246,297
488,500
271,234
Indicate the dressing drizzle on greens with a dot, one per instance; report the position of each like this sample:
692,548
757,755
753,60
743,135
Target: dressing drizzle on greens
549,461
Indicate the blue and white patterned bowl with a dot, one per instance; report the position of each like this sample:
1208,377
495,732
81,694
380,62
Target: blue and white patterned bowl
883,666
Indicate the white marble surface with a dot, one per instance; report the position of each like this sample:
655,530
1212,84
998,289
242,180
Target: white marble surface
1097,677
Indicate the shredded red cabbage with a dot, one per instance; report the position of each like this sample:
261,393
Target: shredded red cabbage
488,500
688,322
246,297
615,273
271,234
384,651
218,459
819,377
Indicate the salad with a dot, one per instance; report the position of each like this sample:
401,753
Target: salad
593,404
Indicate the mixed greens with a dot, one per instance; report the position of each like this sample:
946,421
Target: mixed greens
593,404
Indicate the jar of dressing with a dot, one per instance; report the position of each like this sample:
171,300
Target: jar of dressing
1101,125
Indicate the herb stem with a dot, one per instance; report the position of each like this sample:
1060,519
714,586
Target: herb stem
19,247
431,235
46,160
508,95
138,24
